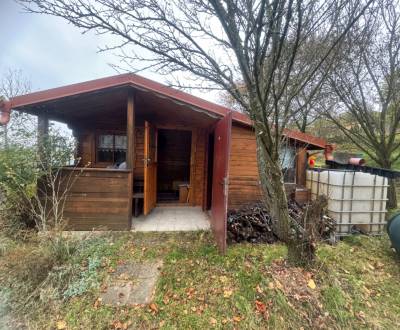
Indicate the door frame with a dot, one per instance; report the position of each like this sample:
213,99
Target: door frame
149,195
193,149
220,180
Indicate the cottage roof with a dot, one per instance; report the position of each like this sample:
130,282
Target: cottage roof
36,99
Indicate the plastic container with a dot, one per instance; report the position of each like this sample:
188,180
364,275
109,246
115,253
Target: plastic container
356,200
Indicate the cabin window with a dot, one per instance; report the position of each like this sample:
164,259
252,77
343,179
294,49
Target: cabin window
111,148
287,157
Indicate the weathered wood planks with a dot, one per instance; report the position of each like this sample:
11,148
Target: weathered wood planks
98,199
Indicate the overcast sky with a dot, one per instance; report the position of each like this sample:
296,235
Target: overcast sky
50,52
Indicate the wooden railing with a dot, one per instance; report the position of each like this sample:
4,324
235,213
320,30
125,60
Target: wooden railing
98,198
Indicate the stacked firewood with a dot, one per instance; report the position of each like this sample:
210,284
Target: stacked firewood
252,223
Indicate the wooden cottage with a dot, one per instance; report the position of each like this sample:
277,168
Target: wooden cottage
143,144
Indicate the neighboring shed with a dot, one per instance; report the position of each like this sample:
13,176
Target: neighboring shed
170,142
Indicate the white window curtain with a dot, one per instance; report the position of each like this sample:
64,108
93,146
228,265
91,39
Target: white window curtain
120,142
106,142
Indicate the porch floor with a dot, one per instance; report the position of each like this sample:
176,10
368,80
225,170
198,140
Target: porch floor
172,218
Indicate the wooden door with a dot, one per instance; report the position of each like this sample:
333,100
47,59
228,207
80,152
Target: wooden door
219,202
150,167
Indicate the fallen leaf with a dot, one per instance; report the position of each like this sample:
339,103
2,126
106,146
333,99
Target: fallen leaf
123,276
213,321
223,278
153,307
278,285
311,284
117,325
260,306
227,293
370,266
258,289
61,325
361,315
237,318
97,303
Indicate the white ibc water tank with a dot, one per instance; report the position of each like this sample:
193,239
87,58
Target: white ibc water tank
355,199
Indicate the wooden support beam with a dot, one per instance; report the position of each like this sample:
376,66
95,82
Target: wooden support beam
43,132
130,150
130,132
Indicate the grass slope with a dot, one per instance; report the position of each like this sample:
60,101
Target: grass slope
355,284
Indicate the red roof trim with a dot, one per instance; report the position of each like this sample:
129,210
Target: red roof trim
134,80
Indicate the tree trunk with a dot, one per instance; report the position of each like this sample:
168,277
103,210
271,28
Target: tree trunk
300,250
392,195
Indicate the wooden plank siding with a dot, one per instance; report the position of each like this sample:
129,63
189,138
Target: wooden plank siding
199,169
243,171
98,198
244,183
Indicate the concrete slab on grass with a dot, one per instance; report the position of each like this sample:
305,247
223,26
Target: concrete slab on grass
132,284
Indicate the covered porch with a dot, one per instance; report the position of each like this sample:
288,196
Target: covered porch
140,146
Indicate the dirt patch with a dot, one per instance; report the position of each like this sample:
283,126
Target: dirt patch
300,288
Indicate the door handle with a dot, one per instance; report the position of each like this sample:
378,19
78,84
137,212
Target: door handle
225,184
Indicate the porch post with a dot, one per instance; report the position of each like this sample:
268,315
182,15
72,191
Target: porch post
43,132
130,132
130,150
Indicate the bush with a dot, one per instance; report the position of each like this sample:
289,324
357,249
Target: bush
22,166
44,271
17,180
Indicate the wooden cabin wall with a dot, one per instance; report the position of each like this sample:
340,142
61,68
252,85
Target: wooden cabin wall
86,141
139,149
244,186
243,171
97,198
199,174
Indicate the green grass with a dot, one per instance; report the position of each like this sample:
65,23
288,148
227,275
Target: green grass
357,286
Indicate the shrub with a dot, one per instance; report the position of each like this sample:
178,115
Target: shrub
44,271
87,280
23,165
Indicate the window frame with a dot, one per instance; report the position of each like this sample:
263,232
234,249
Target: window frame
96,145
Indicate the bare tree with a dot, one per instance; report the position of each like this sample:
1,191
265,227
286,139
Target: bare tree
12,83
365,103
223,42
